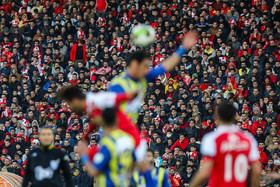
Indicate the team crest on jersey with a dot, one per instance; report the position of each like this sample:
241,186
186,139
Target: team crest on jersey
66,158
54,164
98,158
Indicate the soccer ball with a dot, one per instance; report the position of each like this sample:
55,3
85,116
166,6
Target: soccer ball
143,35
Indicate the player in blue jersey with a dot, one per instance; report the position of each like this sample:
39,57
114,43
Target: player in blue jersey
138,74
113,163
155,177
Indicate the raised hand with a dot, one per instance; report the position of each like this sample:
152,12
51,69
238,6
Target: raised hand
190,39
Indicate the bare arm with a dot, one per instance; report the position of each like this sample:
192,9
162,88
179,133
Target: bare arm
203,174
255,174
92,171
175,59
83,150
273,175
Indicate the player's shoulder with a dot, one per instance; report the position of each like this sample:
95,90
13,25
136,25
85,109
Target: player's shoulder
118,79
247,136
101,100
211,136
224,132
60,154
220,133
123,141
34,153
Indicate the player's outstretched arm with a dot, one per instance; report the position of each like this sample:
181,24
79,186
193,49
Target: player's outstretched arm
174,59
203,173
188,42
125,97
255,167
83,151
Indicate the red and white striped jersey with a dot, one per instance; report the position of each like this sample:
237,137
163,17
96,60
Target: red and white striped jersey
232,151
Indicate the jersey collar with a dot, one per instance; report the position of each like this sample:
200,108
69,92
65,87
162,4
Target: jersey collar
46,148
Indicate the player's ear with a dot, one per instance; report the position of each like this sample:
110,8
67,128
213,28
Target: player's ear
237,117
216,119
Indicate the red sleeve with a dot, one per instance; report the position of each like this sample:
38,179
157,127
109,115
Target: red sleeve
273,78
185,144
73,53
278,120
174,145
251,38
254,128
250,128
240,53
92,151
122,97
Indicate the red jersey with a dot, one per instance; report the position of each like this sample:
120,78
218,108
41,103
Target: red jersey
101,5
97,102
247,125
232,151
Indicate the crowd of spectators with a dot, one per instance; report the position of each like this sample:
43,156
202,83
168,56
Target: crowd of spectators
46,44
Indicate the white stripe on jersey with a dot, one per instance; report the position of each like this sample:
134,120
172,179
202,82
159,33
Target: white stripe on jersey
100,100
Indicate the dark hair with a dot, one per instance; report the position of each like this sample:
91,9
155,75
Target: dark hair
150,150
69,93
138,56
109,116
82,41
260,128
226,112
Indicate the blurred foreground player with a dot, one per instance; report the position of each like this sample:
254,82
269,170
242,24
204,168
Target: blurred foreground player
95,103
153,177
228,153
114,160
44,164
138,74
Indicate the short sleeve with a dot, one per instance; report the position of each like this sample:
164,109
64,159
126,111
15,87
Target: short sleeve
102,158
208,145
116,88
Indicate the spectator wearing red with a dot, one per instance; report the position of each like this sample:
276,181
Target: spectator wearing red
204,130
74,81
78,53
259,123
182,142
263,156
246,122
101,6
174,177
205,85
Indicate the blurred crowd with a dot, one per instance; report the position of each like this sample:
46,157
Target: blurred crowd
46,44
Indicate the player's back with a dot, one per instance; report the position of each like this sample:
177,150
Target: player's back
232,151
120,146
125,83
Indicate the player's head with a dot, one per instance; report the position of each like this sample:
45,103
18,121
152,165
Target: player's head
138,64
74,96
46,136
225,113
150,156
109,117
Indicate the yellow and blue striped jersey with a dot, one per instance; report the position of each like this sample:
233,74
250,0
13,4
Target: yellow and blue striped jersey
125,83
157,177
115,159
